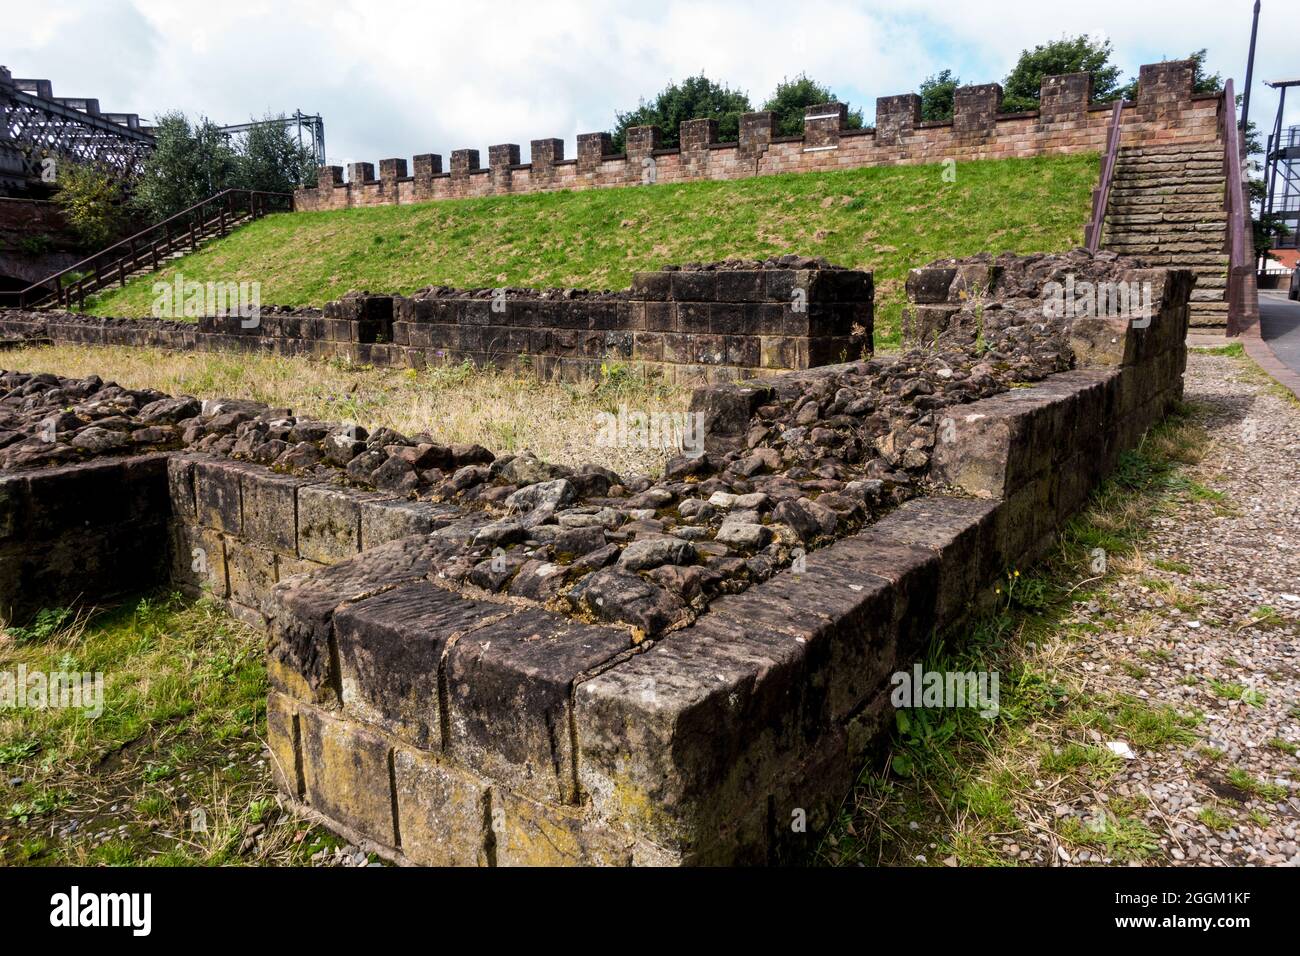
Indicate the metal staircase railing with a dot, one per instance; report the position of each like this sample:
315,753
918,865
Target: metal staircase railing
1101,194
215,216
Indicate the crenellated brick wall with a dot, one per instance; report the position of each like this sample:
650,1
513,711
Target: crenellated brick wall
1165,111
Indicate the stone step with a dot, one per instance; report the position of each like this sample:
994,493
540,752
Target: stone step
1208,314
1120,195
1171,221
1186,150
1129,247
1163,228
1168,204
1177,180
1119,237
1197,262
1170,169
1122,191
1168,162
1207,207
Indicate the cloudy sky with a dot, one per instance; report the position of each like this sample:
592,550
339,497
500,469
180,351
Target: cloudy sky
395,78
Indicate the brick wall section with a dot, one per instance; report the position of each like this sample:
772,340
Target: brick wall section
1165,112
689,325
23,218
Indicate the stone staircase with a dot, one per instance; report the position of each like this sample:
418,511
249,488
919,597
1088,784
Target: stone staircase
1167,208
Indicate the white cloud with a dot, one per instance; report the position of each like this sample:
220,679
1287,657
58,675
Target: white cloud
408,77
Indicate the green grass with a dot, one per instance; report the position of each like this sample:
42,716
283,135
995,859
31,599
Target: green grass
1215,819
184,713
1242,780
954,783
887,219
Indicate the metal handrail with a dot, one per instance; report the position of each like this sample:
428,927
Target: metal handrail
1101,194
146,242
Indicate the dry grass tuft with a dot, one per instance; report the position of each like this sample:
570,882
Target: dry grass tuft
505,411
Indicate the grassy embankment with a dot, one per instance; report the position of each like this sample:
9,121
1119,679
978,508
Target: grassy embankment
887,219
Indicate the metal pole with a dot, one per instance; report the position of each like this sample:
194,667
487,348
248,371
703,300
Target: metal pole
1250,70
1268,153
1277,146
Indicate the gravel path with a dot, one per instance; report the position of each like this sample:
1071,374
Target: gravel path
1211,625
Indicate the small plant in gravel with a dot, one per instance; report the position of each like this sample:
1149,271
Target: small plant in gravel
1243,780
1093,763
1213,818
1139,722
1122,837
1232,690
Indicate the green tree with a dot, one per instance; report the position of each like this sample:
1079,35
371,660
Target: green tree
937,95
696,97
187,164
1081,54
270,158
90,199
790,99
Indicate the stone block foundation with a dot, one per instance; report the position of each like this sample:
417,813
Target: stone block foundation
440,725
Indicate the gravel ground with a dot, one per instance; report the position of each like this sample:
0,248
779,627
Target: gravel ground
1223,641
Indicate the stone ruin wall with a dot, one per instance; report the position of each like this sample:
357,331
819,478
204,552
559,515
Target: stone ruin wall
439,722
714,322
1166,111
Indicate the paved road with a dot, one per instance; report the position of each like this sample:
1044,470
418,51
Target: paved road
1279,326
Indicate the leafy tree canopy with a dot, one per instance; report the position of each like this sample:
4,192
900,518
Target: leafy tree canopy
791,97
271,159
937,95
696,97
191,162
90,200
188,164
1080,54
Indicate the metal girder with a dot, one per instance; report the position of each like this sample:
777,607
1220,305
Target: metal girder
36,125
314,126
